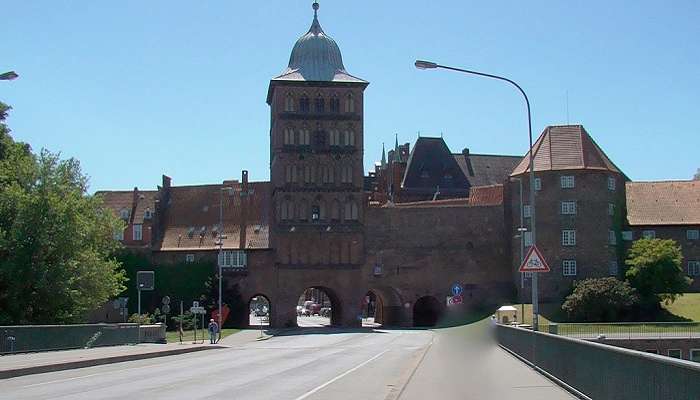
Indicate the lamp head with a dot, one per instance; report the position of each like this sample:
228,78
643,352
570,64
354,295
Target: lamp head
421,64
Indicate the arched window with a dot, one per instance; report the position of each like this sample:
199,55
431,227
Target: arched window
335,137
349,138
331,174
289,103
349,103
286,210
293,173
322,210
307,174
303,210
346,174
320,104
335,104
304,104
288,136
304,137
288,174
335,210
354,212
347,212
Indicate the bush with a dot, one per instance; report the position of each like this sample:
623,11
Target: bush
600,300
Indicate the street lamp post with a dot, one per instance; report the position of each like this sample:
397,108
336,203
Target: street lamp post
420,64
220,242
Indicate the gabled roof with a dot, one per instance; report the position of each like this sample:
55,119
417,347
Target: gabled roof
486,169
192,217
431,165
566,147
117,200
663,203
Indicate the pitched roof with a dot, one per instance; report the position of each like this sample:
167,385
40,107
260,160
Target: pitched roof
191,221
566,147
663,203
486,169
431,165
118,200
491,195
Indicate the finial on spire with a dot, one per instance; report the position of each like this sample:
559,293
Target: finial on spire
315,6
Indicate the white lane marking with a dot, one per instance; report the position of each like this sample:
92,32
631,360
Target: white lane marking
309,393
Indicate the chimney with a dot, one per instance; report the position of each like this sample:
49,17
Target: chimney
468,161
166,182
244,209
134,200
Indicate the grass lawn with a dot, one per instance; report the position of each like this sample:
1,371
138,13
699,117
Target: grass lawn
174,336
687,306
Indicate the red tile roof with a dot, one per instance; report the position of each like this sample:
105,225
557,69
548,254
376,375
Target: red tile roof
663,203
123,199
566,147
486,195
192,217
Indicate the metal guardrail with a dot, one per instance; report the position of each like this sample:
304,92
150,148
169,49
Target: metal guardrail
604,372
31,338
626,330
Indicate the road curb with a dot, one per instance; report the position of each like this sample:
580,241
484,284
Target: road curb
40,369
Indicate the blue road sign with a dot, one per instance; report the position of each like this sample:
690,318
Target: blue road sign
457,289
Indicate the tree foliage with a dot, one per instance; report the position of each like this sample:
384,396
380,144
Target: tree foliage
697,175
600,300
55,240
655,270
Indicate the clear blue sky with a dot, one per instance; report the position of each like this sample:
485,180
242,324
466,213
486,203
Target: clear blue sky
135,89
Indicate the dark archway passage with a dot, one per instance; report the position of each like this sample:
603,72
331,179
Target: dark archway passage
426,311
372,310
259,308
318,307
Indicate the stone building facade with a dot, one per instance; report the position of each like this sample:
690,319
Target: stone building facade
422,221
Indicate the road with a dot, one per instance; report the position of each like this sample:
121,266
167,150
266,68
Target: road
310,363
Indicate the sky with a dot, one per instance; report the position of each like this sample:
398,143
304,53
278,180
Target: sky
135,89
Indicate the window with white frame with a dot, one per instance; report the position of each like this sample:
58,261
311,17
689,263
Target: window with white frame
613,268
611,183
527,239
568,237
674,353
527,211
567,182
612,237
627,236
189,258
694,355
649,234
611,209
693,268
569,267
119,234
538,183
568,207
233,259
692,234
138,232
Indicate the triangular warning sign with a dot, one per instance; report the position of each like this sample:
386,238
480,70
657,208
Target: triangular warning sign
534,261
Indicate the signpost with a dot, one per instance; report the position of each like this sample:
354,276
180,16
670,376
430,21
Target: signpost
534,261
196,309
144,281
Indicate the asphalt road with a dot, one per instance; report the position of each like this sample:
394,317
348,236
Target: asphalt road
309,364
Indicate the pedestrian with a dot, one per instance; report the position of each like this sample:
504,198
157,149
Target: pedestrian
213,331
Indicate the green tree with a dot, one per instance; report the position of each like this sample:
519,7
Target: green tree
655,270
600,300
55,240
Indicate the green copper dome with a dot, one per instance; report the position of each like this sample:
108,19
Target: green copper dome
316,57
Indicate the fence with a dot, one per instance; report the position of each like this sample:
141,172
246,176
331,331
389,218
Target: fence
626,330
29,338
604,372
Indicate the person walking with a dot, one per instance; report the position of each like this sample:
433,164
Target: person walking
213,331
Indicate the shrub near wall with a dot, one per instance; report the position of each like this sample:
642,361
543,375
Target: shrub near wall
182,282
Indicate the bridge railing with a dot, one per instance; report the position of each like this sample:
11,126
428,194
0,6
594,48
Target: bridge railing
626,330
604,372
30,338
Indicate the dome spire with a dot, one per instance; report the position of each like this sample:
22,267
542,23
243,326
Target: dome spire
315,26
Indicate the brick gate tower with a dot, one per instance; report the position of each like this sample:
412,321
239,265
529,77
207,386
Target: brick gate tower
316,152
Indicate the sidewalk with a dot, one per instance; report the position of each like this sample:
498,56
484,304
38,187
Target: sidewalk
36,363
